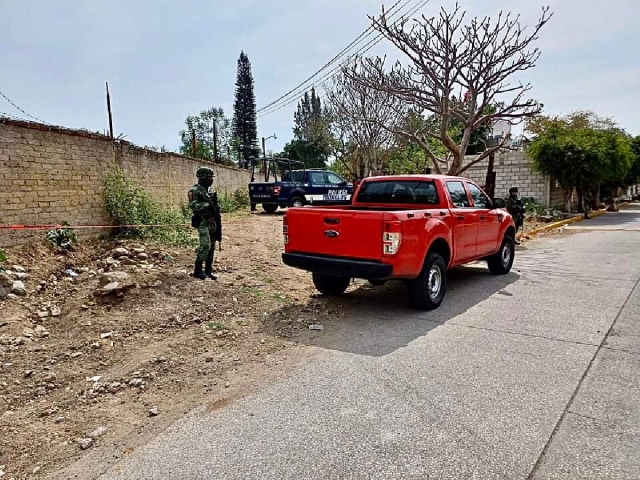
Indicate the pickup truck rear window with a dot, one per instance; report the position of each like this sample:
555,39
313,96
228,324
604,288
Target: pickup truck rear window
293,177
399,192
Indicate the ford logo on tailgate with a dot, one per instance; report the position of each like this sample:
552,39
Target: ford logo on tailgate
331,233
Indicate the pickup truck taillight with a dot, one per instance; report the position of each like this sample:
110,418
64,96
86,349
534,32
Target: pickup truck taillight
276,191
391,238
285,229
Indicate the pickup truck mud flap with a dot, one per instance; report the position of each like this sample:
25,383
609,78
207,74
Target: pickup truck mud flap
339,267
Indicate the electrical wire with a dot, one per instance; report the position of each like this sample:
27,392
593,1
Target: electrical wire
16,106
364,34
333,72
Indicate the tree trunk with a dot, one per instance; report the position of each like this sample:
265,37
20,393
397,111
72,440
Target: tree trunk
567,198
580,203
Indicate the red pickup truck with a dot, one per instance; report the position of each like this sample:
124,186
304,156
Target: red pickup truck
408,227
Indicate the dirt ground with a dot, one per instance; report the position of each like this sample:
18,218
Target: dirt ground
81,368
99,363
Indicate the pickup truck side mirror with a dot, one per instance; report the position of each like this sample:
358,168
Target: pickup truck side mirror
498,203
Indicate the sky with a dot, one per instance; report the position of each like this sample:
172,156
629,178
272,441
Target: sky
165,60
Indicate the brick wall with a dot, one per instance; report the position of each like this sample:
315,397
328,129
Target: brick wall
513,168
49,175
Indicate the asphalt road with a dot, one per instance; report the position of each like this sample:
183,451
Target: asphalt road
531,375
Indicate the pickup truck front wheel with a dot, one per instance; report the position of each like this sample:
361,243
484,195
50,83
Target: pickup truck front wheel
330,285
501,262
427,291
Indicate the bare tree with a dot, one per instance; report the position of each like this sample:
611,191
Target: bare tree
363,119
458,75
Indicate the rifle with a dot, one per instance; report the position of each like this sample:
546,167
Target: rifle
215,213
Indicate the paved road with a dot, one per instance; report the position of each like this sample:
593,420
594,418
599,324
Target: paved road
531,375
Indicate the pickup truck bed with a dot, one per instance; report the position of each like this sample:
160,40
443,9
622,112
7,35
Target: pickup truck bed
409,228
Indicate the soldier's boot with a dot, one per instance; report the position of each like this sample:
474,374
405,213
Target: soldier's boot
208,269
197,271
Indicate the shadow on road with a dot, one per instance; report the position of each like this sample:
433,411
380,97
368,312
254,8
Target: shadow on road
376,321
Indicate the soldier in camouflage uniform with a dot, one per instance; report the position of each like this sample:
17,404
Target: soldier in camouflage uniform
207,220
516,208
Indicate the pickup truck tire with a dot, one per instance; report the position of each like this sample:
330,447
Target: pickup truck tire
330,285
501,262
297,201
426,292
269,208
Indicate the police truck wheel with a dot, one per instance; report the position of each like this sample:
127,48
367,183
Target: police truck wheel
330,285
267,207
501,262
427,291
296,202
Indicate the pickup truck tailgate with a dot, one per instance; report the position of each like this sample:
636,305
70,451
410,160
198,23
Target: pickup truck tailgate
335,232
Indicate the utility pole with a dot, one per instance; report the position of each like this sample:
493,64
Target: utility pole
490,180
109,110
194,144
215,141
265,171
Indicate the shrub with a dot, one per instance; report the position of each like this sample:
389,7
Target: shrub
234,202
3,258
129,204
62,238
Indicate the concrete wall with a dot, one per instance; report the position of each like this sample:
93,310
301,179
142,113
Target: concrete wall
49,175
513,168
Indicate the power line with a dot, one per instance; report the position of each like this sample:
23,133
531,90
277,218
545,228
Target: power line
330,62
332,73
30,116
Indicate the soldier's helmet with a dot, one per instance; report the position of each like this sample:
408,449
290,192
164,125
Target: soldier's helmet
513,189
204,172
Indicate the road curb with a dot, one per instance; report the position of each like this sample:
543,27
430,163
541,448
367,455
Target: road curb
568,221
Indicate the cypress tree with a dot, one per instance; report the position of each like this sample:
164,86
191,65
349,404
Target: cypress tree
245,125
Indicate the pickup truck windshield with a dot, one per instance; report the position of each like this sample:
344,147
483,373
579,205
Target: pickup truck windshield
399,192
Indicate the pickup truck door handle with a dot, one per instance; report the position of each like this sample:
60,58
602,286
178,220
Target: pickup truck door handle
443,214
482,217
332,221
460,217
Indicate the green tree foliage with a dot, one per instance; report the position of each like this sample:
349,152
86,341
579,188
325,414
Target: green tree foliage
203,126
407,160
245,123
633,175
312,133
581,151
310,154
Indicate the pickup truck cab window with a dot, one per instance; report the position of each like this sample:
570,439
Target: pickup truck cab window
399,192
334,179
317,178
480,200
458,194
293,177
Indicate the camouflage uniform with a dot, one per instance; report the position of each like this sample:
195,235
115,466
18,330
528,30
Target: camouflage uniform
515,208
206,219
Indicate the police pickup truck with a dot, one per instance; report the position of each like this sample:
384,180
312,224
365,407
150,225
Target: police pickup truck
297,188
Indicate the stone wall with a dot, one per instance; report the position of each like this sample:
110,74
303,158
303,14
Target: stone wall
513,168
49,175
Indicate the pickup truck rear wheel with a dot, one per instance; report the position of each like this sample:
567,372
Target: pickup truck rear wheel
501,262
427,291
330,285
269,208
